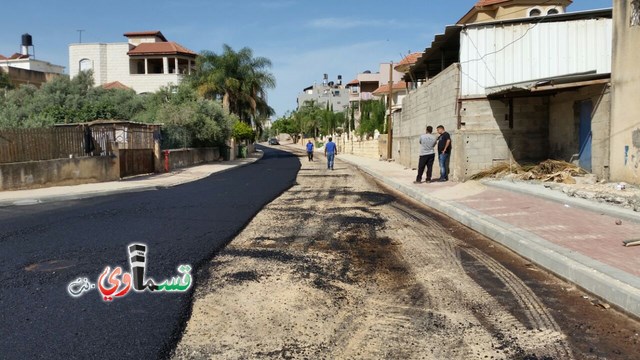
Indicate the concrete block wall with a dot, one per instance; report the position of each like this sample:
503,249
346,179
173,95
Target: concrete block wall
564,126
486,138
434,103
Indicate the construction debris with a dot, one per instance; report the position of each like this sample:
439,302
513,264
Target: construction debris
601,304
546,171
633,242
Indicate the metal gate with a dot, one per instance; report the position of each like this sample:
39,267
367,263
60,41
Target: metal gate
136,162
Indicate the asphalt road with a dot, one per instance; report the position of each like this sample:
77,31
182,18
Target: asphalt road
45,247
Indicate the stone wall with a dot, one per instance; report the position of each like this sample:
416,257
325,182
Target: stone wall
37,174
188,157
365,148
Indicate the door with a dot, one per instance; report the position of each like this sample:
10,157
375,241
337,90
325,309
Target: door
585,137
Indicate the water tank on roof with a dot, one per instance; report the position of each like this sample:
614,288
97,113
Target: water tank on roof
27,40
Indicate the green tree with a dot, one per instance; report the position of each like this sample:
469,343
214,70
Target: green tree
372,117
243,132
238,79
5,82
286,125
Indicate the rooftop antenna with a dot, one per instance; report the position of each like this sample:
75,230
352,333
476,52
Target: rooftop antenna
80,35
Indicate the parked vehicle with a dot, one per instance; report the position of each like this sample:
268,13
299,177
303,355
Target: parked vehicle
274,141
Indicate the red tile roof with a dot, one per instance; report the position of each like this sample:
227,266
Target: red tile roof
116,85
2,57
145,34
17,56
353,82
384,89
405,64
161,48
482,3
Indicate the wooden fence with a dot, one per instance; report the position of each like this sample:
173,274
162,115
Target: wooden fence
20,145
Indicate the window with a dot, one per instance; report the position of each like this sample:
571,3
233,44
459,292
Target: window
535,12
86,65
635,12
553,12
155,66
136,66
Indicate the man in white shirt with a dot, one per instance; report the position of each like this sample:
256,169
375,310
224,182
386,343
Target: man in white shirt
427,155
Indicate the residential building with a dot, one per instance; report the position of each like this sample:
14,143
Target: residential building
23,68
514,90
625,107
362,88
327,94
497,10
145,63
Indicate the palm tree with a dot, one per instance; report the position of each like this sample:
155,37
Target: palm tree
238,79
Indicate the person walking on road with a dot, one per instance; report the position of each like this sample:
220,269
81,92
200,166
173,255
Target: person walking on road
330,151
444,151
310,150
427,155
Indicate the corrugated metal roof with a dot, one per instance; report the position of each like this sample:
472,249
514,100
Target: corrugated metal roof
518,52
548,84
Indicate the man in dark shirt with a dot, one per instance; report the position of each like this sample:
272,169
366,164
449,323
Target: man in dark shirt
444,150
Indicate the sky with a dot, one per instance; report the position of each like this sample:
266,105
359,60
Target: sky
304,39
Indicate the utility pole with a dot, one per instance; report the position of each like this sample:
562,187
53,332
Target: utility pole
389,106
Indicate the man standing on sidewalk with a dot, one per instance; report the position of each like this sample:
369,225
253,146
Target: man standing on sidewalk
444,150
310,150
330,151
427,155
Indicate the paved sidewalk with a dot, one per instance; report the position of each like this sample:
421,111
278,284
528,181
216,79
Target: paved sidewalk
579,242
134,184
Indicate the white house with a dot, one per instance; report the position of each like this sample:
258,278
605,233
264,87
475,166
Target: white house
23,68
147,62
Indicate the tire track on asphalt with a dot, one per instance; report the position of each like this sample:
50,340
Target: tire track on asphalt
539,317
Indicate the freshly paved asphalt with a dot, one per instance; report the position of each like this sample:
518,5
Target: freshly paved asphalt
45,247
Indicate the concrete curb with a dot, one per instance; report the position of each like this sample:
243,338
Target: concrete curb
178,183
613,285
533,190
132,189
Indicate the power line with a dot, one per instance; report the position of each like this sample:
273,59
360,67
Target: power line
506,46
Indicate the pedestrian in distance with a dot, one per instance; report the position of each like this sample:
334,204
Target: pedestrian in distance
444,151
330,151
310,150
427,155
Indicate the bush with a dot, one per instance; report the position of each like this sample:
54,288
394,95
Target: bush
242,131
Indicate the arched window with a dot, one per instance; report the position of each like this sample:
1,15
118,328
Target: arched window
535,12
86,65
553,12
635,12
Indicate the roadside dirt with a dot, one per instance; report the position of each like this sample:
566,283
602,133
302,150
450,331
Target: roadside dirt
337,268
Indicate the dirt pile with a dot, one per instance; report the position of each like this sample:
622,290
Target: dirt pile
546,171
